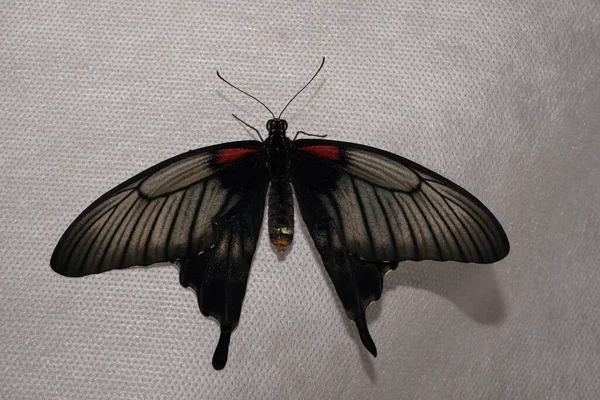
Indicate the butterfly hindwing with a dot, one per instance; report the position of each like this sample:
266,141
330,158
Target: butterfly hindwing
219,275
357,282
367,210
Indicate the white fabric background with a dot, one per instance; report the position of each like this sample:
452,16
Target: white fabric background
502,97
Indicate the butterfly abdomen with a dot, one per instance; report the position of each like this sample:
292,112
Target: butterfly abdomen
281,212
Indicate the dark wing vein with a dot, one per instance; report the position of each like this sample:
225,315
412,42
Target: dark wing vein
173,221
195,216
447,230
475,252
365,219
145,258
132,232
387,220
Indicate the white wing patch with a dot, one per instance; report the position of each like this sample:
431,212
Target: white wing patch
179,175
384,172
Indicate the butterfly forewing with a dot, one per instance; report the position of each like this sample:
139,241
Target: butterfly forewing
164,213
388,208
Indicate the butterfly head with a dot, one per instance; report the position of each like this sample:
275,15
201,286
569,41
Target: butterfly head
276,125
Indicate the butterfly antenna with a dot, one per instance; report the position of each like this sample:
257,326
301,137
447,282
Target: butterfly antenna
304,87
246,93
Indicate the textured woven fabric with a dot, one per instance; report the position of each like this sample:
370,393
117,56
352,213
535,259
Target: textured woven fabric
500,96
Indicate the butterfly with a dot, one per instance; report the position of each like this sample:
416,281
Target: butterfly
366,210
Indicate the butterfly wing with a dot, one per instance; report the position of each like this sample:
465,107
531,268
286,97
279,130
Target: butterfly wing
202,209
219,275
367,209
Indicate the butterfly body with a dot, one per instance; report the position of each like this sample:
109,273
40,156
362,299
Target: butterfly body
281,201
365,209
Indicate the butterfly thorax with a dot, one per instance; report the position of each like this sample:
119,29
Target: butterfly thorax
281,202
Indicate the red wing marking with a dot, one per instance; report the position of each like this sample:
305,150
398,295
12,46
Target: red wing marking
229,155
325,151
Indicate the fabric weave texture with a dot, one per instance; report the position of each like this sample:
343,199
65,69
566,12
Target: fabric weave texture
501,97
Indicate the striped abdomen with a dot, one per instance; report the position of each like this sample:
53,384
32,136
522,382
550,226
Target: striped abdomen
281,212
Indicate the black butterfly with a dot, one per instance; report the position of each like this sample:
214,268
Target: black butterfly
365,209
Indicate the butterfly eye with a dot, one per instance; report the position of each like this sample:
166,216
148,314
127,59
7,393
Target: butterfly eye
269,124
284,125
